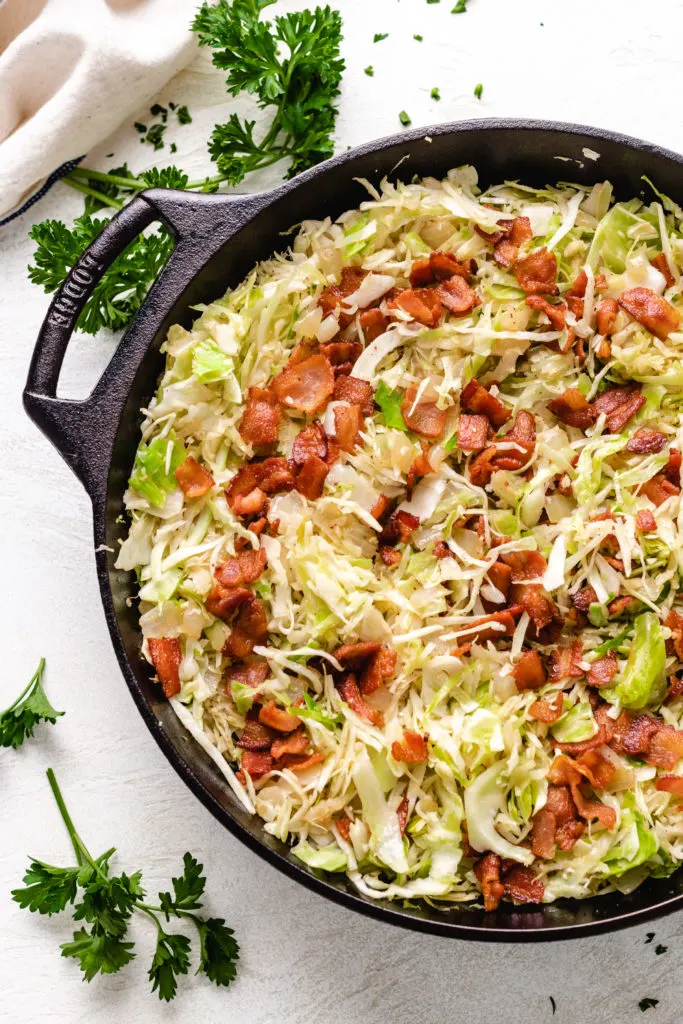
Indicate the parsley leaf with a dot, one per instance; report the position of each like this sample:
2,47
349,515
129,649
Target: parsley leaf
369,70
219,950
183,115
31,707
435,94
97,952
379,36
660,949
460,7
478,90
419,38
649,936
647,1004
390,402
48,889
404,118
171,957
186,890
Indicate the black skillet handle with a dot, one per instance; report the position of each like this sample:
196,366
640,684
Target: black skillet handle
83,431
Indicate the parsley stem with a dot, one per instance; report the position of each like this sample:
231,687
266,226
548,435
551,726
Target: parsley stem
66,817
35,678
107,200
111,179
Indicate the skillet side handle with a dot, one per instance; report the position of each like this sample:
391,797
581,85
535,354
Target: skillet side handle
83,431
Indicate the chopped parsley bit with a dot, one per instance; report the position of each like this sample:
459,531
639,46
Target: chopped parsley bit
379,36
174,148
172,106
478,90
369,70
155,136
418,37
183,115
433,1
156,110
552,1003
660,949
460,7
404,118
139,127
649,938
647,1004
435,94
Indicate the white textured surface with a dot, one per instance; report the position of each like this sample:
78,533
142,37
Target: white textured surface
614,63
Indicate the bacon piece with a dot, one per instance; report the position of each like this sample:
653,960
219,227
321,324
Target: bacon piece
672,470
456,296
253,674
422,304
194,481
246,492
505,253
645,521
594,809
256,735
674,622
378,666
524,565
222,601
666,747
596,768
500,576
639,733
529,673
412,748
661,264
249,628
475,398
522,886
547,711
312,440
675,688
260,423
438,266
535,603
659,489
472,432
584,598
373,323
651,310
565,662
567,834
353,655
348,420
646,442
523,433
487,871
419,467
256,764
402,815
300,762
166,657
543,830
306,385
556,314
441,550
488,626
331,298
606,315
603,670
381,507
245,567
390,556
310,480
670,784
274,717
576,293
341,352
559,800
620,404
424,418
537,272
343,827
483,466
572,408
295,743
349,692
399,528
355,392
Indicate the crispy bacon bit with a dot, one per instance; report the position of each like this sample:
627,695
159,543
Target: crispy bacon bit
646,442
306,385
246,492
412,748
295,743
645,521
348,420
620,605
547,711
659,489
260,424
666,747
274,717
556,314
194,481
222,601
355,392
256,735
619,404
565,662
379,666
424,418
438,266
505,253
456,296
537,272
651,310
249,628
674,622
572,408
672,470
349,692
596,768
341,352
639,733
535,603
493,627
381,507
500,576
419,467
343,827
521,231
606,315
373,323
603,670
670,784
584,598
310,480
661,263
675,688
529,673
399,528
543,830
522,886
166,657
475,398
253,674
390,556
402,815
330,300
301,762
254,764
422,304
244,568
567,834
353,655
591,809
487,871
524,565
312,440
559,801
472,432
441,550
576,294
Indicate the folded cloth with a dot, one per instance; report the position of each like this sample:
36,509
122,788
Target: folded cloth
71,71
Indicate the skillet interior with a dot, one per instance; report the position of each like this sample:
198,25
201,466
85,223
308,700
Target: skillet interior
528,151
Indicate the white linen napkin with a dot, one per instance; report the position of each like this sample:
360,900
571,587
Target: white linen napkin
71,71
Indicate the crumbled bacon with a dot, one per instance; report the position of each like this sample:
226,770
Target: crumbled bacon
473,432
670,784
378,666
275,718
505,253
535,603
330,300
194,481
576,293
253,674
584,598
260,424
300,762
524,565
349,692
402,815
645,521
310,479
619,405
166,657
567,834
438,266
500,576
661,263
381,507
295,743
355,392
223,601
390,556
606,315
674,622
249,628
341,352
565,662
244,568
493,627
424,418
523,433
353,655
373,323
620,604
537,272
487,871
456,296
441,550
603,670
556,314
666,747
564,770
522,886
343,827
646,442
651,310
312,440
256,735
348,420
475,398
422,304
529,673
547,710
399,528
596,768
306,385
672,470
412,748
255,764
246,492
559,801
572,408
659,489
543,830
675,688
419,467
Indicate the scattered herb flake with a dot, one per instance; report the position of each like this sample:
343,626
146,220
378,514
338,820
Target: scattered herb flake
404,118
140,127
173,147
647,1004
552,1003
418,37
29,709
183,115
650,937
369,70
157,109
379,36
172,106
155,136
478,90
435,94
660,949
460,7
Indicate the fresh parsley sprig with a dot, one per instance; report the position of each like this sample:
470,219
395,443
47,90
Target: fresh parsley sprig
106,905
31,707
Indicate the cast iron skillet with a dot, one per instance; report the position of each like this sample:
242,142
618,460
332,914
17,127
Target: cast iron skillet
218,239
